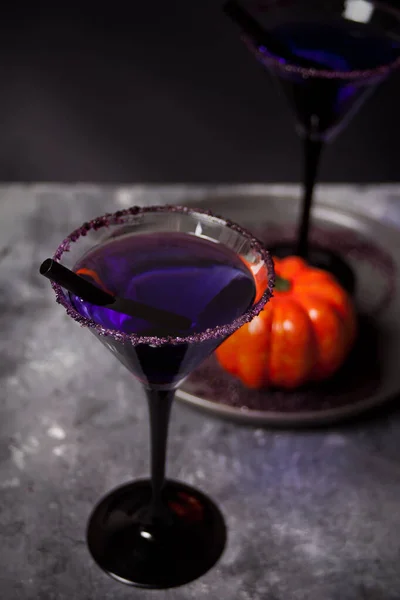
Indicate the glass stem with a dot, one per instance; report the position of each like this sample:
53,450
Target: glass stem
159,403
312,155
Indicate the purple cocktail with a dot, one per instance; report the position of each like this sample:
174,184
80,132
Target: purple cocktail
213,277
337,49
328,56
167,271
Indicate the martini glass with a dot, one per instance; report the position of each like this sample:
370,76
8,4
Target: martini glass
328,56
211,276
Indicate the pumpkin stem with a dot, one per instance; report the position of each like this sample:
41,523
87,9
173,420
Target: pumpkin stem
281,284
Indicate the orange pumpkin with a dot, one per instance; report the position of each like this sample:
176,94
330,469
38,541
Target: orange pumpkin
303,334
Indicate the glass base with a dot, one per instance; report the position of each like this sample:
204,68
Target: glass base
323,259
178,547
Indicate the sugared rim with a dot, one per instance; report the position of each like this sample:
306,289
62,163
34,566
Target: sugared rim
381,71
118,218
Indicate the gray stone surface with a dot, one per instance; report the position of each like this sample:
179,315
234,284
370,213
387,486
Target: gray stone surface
311,515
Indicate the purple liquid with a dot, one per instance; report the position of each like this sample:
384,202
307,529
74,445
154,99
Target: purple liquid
321,104
199,279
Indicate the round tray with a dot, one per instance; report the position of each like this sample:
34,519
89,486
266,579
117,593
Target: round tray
371,375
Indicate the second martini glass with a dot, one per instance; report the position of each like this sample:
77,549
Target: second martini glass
328,56
196,278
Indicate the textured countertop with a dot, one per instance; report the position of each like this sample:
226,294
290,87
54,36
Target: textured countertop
311,515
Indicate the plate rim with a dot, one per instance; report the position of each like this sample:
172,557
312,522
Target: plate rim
286,419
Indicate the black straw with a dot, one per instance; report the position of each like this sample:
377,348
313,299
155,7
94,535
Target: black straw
90,293
259,35
75,284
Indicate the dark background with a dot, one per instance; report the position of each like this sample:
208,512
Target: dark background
160,92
